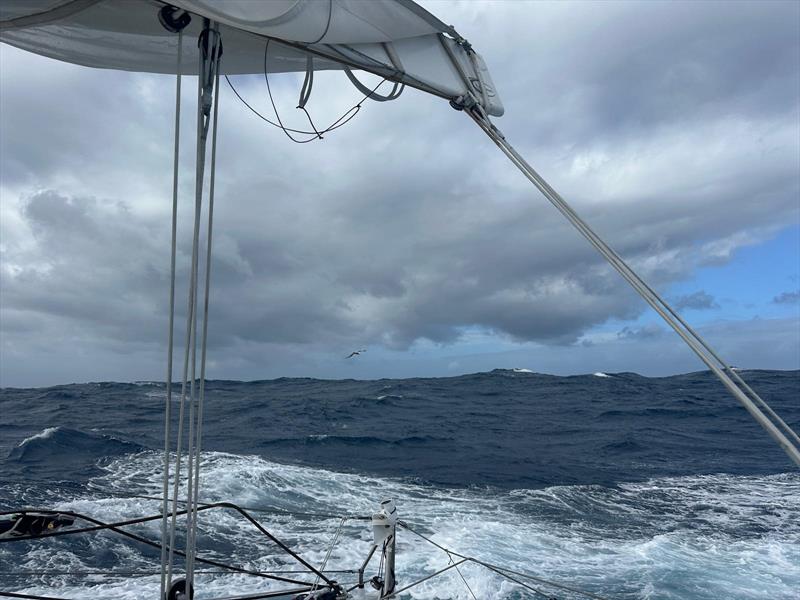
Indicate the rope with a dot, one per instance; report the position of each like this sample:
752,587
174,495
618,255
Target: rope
305,93
315,134
204,337
460,574
518,582
397,88
170,339
115,527
274,510
423,580
189,346
330,550
100,525
327,25
32,596
502,570
345,118
262,595
57,573
692,339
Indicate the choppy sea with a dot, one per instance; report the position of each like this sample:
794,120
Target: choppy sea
618,484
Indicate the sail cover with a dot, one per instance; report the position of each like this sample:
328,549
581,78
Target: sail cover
395,39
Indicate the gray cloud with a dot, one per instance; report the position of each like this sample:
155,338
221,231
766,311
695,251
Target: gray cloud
647,332
406,226
787,298
699,300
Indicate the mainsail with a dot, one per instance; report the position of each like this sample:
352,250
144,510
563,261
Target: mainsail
394,39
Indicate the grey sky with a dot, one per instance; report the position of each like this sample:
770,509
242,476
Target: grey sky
672,127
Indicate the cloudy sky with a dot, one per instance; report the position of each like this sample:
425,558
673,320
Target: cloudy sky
673,128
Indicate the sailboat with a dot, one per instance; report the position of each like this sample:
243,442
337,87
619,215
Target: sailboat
407,47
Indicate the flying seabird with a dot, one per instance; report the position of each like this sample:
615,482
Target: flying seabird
356,353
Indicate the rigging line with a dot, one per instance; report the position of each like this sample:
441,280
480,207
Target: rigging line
655,301
204,336
518,582
31,596
311,122
268,510
308,82
191,322
327,25
259,115
397,88
460,574
154,572
316,134
170,338
504,571
381,70
305,93
405,525
330,549
115,527
280,544
340,122
272,101
262,595
395,593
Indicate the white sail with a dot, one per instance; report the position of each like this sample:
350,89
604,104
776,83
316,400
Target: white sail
396,39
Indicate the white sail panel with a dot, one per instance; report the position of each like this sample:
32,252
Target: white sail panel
395,39
312,21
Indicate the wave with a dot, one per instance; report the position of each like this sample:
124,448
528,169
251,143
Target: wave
356,440
624,445
703,537
62,444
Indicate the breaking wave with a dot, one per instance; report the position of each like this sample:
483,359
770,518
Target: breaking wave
716,535
70,445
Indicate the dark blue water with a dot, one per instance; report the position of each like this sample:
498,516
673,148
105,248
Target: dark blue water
666,486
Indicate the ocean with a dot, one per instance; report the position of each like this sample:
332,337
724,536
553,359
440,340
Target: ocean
618,484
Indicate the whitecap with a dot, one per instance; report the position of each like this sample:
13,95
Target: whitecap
647,531
42,435
600,374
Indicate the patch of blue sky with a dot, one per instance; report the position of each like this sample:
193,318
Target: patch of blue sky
748,284
743,288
